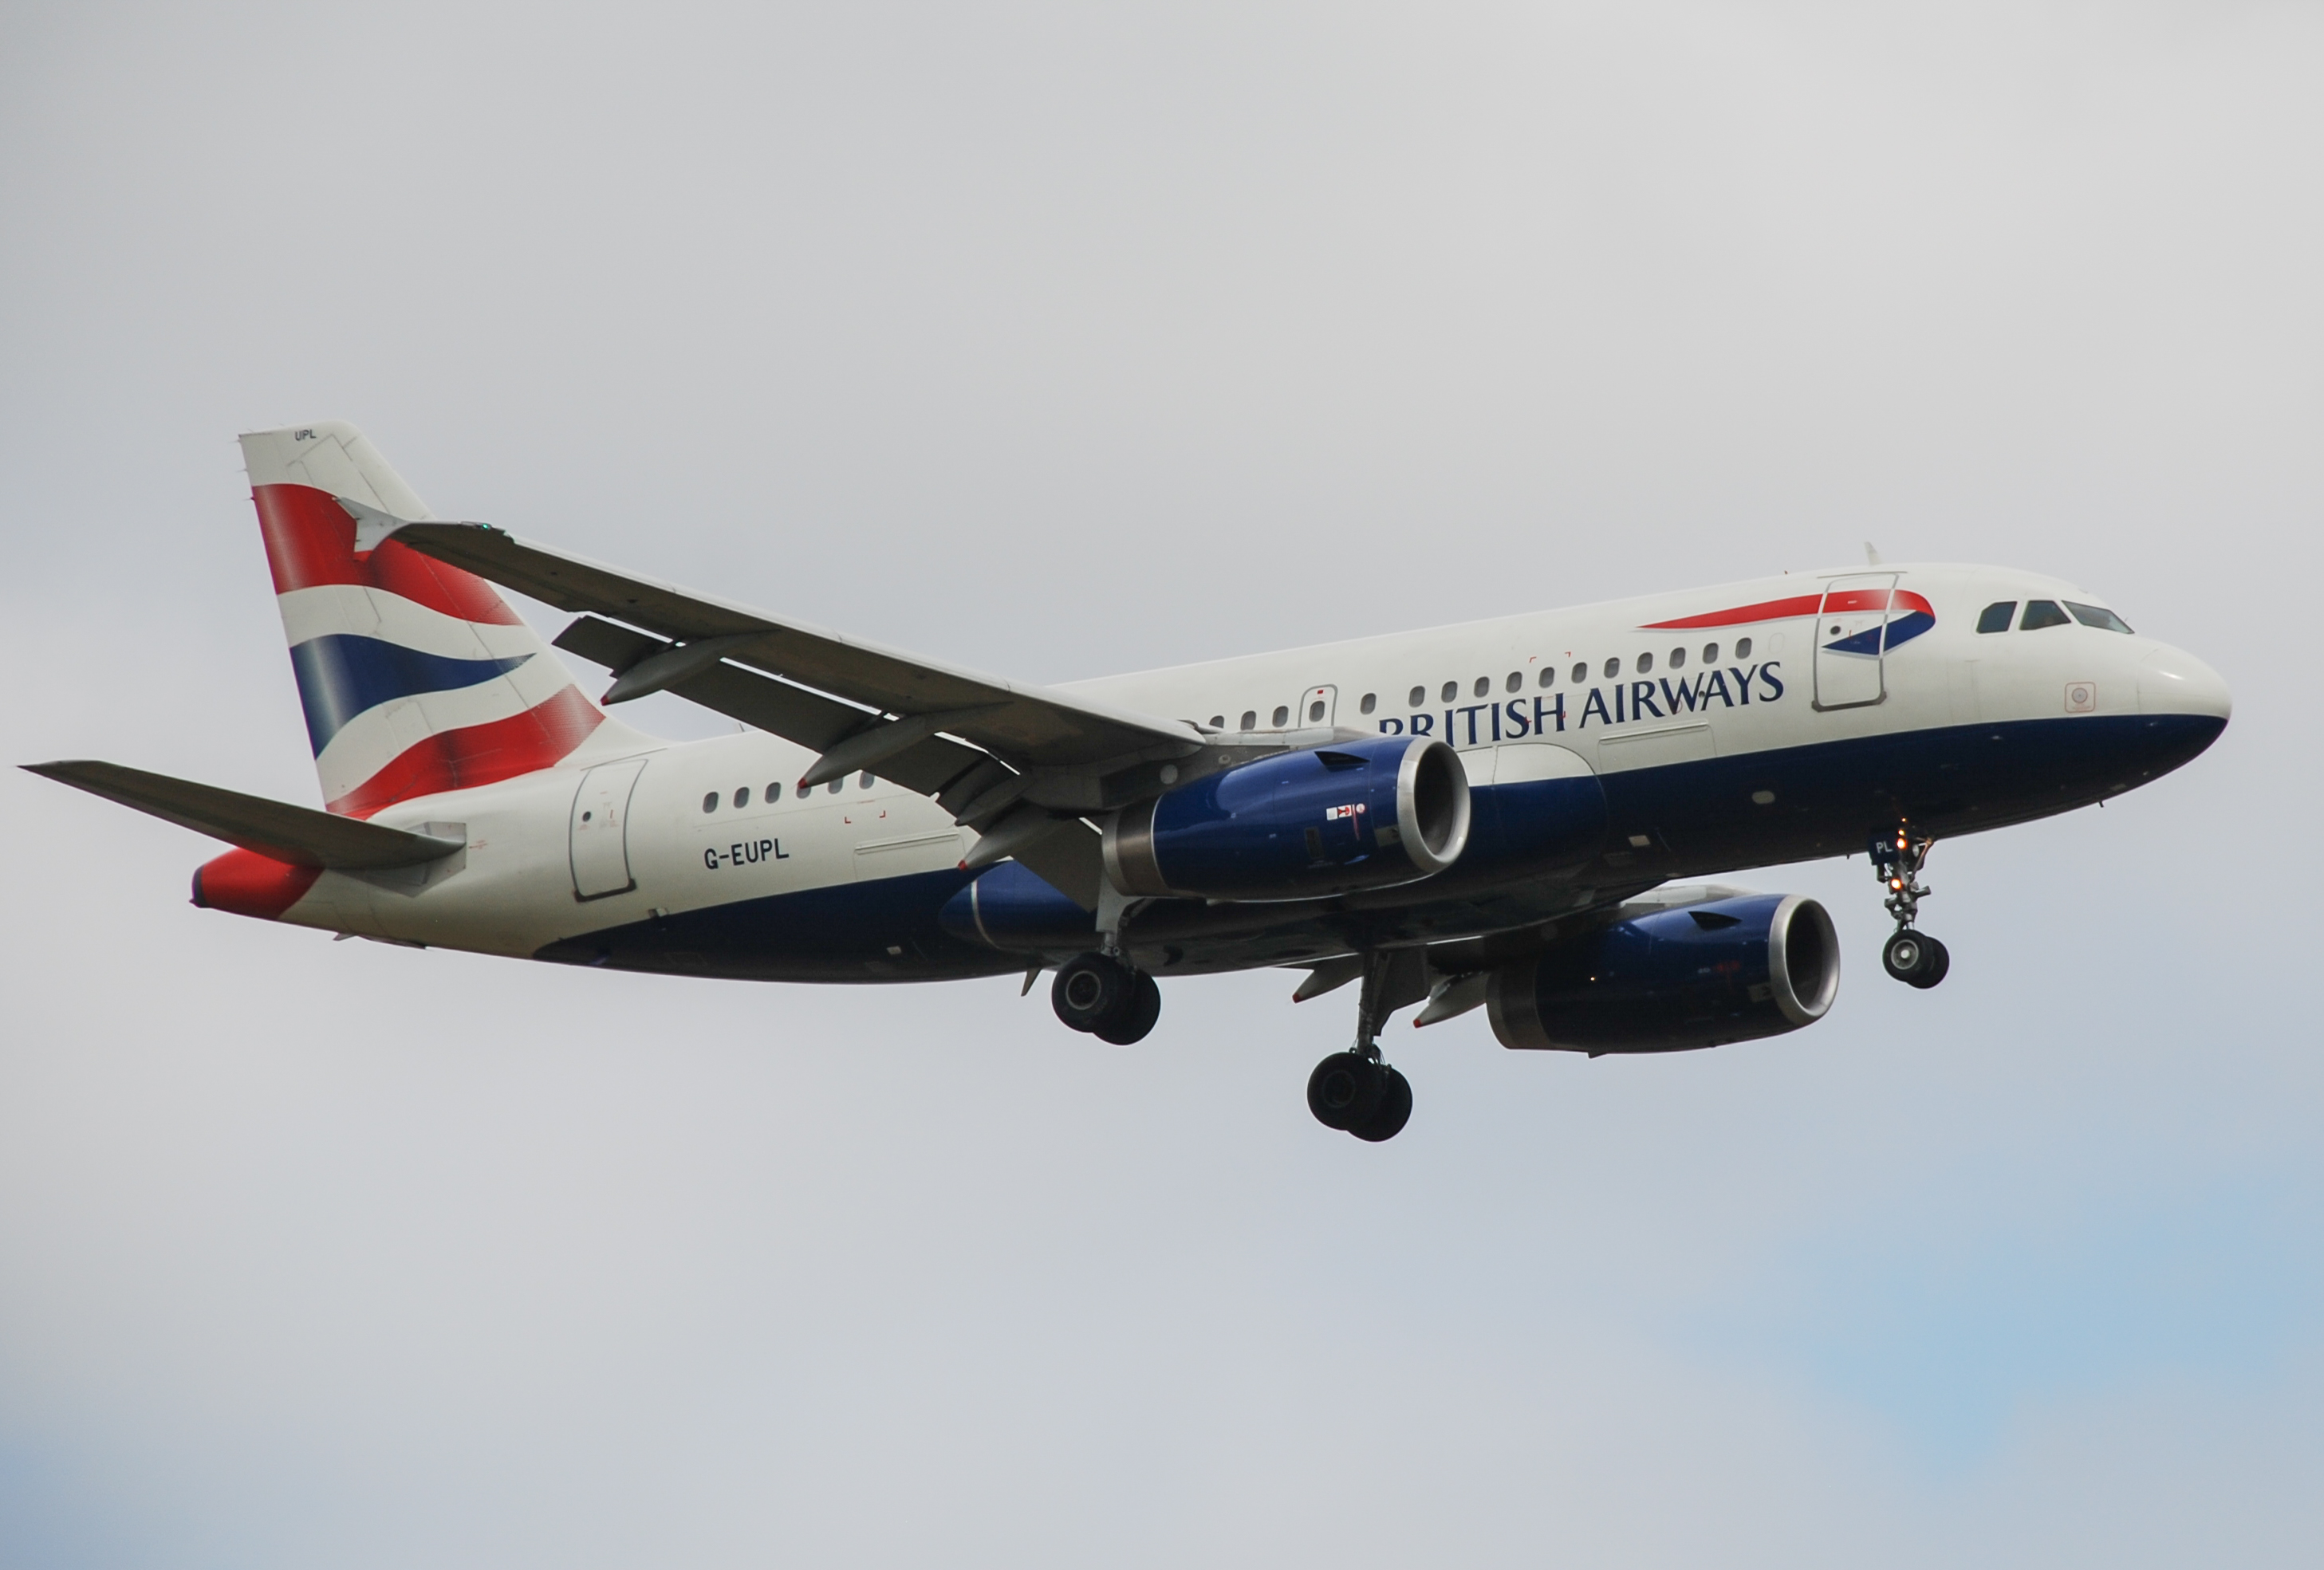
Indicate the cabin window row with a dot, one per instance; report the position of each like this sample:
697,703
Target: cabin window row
774,792
1483,686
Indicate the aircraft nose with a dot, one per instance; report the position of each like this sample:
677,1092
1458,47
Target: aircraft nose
2173,681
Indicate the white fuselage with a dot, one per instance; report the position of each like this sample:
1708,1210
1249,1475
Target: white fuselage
713,822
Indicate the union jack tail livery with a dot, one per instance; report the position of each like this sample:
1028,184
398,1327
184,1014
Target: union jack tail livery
416,677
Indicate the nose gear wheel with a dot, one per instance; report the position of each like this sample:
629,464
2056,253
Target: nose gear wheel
1910,955
1915,959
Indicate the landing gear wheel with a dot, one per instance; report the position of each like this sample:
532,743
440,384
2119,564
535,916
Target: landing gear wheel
1394,1111
1915,959
1933,967
1089,988
1134,1015
1346,1089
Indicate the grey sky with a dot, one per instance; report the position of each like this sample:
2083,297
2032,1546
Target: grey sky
1060,341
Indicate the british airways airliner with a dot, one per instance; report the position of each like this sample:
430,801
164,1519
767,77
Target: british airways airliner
1493,814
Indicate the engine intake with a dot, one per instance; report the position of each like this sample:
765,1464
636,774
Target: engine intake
1699,976
1323,821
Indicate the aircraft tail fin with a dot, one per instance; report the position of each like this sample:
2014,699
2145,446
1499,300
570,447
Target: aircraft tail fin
415,676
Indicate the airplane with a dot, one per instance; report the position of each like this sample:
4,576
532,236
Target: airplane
1499,815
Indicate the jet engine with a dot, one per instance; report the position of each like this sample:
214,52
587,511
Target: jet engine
1698,976
1321,821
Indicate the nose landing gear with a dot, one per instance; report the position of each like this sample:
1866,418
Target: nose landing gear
1355,1091
1910,956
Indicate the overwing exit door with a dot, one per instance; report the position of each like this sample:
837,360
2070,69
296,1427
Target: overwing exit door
1316,707
1852,635
600,836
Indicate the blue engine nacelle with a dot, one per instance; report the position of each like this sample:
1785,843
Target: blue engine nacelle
1700,976
1327,819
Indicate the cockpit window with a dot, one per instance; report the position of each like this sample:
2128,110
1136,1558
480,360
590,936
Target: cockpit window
2042,613
1995,618
2096,616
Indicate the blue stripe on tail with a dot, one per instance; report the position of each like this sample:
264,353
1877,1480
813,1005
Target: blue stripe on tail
341,675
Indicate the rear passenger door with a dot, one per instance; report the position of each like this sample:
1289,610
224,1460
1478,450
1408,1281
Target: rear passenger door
599,835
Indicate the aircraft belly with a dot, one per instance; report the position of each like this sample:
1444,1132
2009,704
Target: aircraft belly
856,931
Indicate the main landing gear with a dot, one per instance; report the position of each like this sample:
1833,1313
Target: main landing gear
1910,956
1354,1091
1098,994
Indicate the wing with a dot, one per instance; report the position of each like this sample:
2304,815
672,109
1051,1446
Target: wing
1027,726
1026,762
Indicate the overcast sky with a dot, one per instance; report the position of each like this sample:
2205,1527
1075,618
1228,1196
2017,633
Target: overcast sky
1061,340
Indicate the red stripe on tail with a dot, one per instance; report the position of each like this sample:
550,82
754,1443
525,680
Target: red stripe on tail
310,540
478,755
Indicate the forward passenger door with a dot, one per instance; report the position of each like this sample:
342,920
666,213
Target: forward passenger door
1851,631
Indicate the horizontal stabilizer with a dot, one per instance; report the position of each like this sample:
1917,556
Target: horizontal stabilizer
299,836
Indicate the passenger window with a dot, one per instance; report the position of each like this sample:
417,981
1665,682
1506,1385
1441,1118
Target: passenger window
774,792
1711,654
2092,616
1995,618
864,781
1580,672
1484,685
1516,682
1613,669
742,796
1282,717
834,787
1645,664
2040,613
1372,701
1419,696
1251,719
1218,721
710,803
1742,648
1678,659
1452,691
1549,675
1316,712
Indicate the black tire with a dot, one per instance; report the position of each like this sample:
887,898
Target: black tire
1394,1111
1345,1090
1088,988
1935,962
1134,1017
1906,956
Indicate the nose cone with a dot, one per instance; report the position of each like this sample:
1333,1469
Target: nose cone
2174,681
